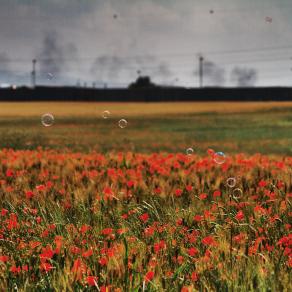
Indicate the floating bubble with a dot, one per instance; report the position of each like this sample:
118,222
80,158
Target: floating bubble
115,16
190,151
269,19
231,182
211,11
219,157
237,193
123,123
47,120
106,114
50,76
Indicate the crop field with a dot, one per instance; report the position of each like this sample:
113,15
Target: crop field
179,197
152,127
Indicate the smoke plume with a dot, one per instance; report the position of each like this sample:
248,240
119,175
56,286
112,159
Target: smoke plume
244,77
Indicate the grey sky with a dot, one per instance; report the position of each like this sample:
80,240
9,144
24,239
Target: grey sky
109,41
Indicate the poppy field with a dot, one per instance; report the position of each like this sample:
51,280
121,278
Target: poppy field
186,218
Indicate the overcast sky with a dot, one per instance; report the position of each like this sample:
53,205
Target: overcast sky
246,42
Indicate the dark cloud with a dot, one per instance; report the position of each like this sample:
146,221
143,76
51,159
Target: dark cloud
145,27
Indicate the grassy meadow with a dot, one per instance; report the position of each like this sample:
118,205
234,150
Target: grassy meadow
88,206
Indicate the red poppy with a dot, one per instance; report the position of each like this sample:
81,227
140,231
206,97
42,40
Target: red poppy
87,253
103,261
203,196
194,277
211,152
130,183
149,276
192,251
25,268
84,228
209,241
40,187
4,212
262,183
178,192
15,269
198,218
92,280
9,173
189,188
157,191
144,217
239,216
107,231
216,194
47,253
4,258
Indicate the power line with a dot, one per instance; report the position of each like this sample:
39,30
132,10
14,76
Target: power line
145,56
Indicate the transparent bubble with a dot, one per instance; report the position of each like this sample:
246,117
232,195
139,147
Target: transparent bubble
106,114
123,123
219,157
269,19
237,193
47,120
231,182
190,151
50,76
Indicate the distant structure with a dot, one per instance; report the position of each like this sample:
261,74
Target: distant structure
142,82
201,60
33,73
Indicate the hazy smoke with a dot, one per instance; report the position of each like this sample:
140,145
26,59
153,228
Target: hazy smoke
163,73
213,74
244,76
108,68
55,56
52,56
111,68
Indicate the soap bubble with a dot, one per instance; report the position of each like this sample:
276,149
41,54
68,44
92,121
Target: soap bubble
50,76
190,151
231,182
47,120
106,114
219,157
123,123
237,193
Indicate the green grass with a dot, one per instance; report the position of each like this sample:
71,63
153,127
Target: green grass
263,130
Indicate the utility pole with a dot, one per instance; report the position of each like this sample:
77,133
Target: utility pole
201,72
33,73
